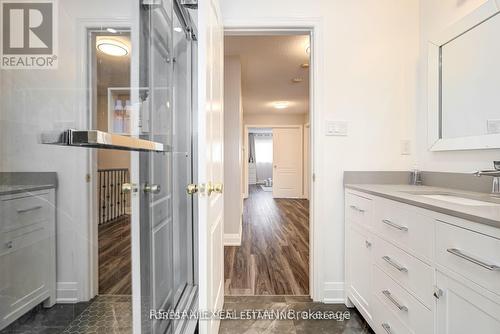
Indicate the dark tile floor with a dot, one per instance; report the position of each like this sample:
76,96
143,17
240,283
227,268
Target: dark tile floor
354,325
102,315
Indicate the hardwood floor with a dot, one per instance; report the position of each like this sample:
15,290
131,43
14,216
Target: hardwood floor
115,272
273,258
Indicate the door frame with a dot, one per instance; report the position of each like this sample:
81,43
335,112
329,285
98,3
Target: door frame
314,27
246,128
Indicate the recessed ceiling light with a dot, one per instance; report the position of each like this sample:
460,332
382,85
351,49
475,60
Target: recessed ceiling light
178,29
112,30
281,104
112,47
297,80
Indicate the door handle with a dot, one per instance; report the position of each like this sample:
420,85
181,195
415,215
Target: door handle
192,189
218,188
129,187
152,188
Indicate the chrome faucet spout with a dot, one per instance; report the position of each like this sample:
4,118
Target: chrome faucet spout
495,173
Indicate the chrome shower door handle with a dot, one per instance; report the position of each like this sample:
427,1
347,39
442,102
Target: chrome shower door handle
152,188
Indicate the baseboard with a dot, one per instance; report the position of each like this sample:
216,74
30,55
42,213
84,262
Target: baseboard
333,293
67,292
233,239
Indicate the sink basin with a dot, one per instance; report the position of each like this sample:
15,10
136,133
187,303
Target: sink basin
456,198
460,200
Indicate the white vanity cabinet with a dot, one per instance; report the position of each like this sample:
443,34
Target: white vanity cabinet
411,270
27,253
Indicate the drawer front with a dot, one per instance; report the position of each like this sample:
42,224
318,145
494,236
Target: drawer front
470,254
404,227
20,212
409,310
411,273
386,322
358,209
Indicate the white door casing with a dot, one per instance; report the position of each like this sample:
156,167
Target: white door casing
287,162
210,160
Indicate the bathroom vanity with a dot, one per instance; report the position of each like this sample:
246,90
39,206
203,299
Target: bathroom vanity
423,259
27,249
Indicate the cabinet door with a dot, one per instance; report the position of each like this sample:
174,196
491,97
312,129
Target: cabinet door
462,310
360,268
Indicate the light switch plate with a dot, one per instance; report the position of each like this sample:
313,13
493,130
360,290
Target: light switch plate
337,128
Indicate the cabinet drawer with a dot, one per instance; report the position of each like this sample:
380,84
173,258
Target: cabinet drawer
411,273
408,309
358,209
20,212
404,227
470,254
386,322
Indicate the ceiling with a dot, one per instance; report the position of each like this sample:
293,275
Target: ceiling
268,65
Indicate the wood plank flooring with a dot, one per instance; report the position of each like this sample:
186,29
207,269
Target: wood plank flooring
115,272
273,258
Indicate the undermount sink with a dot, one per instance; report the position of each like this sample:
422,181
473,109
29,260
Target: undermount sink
454,198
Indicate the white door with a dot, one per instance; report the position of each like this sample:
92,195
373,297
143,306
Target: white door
210,160
461,310
287,162
307,164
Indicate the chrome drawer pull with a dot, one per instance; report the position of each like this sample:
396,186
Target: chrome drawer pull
38,207
389,296
354,207
459,253
391,224
394,264
387,328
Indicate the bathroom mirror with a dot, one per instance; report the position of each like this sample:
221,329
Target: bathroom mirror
464,81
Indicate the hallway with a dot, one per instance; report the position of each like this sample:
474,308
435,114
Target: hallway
273,258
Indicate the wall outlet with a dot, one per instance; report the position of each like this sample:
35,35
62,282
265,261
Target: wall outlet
405,147
337,128
493,126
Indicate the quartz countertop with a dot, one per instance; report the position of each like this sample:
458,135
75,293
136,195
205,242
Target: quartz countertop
412,195
15,189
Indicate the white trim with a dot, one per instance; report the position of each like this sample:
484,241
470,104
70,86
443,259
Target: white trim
88,268
435,143
334,293
313,26
234,239
67,292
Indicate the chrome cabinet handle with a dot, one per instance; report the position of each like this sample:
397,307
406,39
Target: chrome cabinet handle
354,207
394,264
389,296
38,207
396,226
387,328
460,254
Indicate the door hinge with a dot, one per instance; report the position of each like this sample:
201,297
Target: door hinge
87,178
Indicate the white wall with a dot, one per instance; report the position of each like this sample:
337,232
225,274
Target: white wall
33,101
434,17
233,142
273,119
370,79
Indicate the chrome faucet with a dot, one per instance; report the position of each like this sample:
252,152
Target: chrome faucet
495,173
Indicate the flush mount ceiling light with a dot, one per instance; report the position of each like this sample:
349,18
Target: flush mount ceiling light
297,80
281,104
112,47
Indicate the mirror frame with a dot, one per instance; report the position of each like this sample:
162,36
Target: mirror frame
435,142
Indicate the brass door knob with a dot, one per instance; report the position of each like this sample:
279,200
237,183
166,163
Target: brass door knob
192,189
218,188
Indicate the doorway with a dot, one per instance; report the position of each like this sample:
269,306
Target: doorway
267,244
